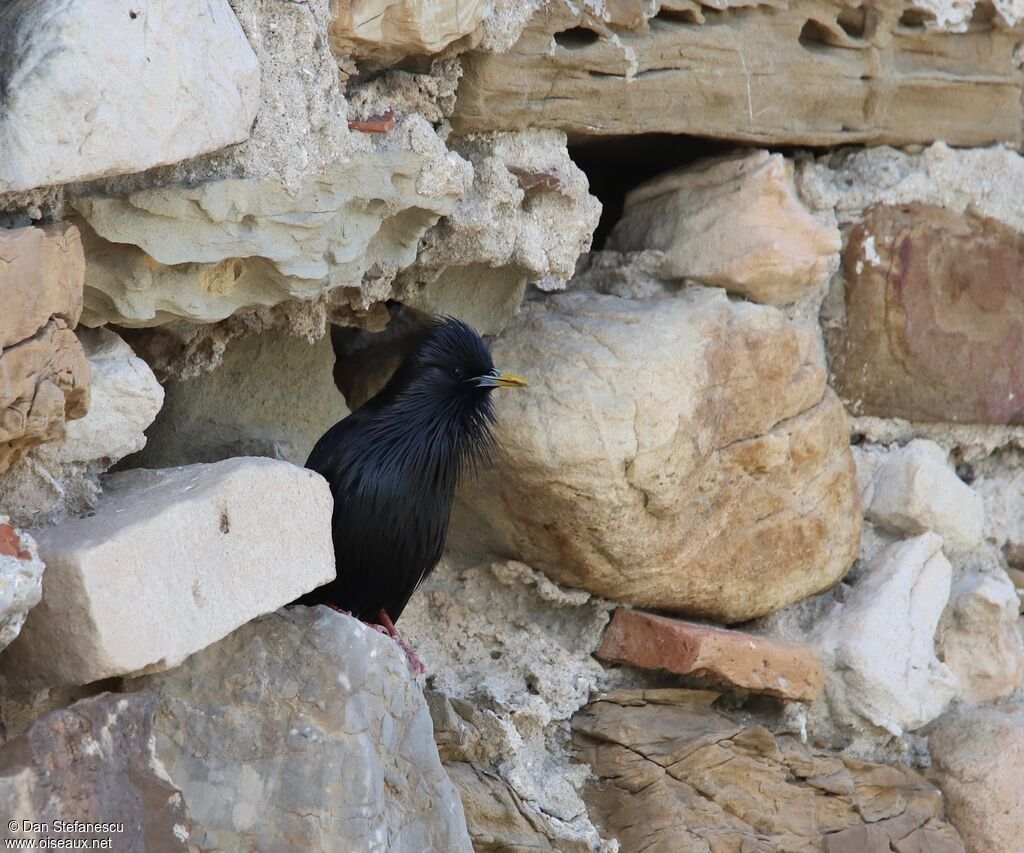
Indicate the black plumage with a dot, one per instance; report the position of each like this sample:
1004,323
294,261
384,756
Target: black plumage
393,466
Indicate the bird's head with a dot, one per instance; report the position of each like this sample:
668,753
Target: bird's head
444,386
454,360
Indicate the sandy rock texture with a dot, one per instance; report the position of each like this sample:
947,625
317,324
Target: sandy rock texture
913,489
274,395
303,730
21,579
187,82
507,679
125,589
44,377
979,765
388,30
728,71
62,478
673,773
879,644
923,287
202,252
655,459
733,222
979,637
525,220
93,763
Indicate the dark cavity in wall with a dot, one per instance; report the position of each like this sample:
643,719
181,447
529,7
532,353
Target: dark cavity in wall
615,165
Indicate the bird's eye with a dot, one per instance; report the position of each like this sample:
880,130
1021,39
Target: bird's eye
458,372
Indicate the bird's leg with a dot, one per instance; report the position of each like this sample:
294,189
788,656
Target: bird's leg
416,666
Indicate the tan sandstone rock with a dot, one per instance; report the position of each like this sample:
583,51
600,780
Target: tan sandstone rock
913,489
978,762
934,306
44,377
187,82
171,561
734,222
979,639
733,70
680,453
785,670
387,30
672,774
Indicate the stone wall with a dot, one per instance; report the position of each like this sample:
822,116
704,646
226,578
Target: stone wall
747,572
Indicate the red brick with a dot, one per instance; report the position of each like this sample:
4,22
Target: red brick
785,670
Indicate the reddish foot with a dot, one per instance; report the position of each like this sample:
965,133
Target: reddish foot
416,666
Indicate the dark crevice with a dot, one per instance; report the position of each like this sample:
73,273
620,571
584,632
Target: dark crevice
616,165
576,38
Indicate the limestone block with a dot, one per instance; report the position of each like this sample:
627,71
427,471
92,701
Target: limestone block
978,762
879,645
931,321
274,395
171,561
21,579
94,88
757,664
93,763
663,448
125,399
734,222
672,774
729,70
202,252
388,30
304,731
913,489
979,641
41,275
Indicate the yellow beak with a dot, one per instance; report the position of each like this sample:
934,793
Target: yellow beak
507,380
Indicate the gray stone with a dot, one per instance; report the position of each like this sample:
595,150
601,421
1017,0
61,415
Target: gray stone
93,763
304,731
91,88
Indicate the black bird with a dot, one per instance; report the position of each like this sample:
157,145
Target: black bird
393,465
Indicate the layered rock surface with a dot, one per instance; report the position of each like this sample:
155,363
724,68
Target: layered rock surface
729,71
672,773
303,730
171,561
655,459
